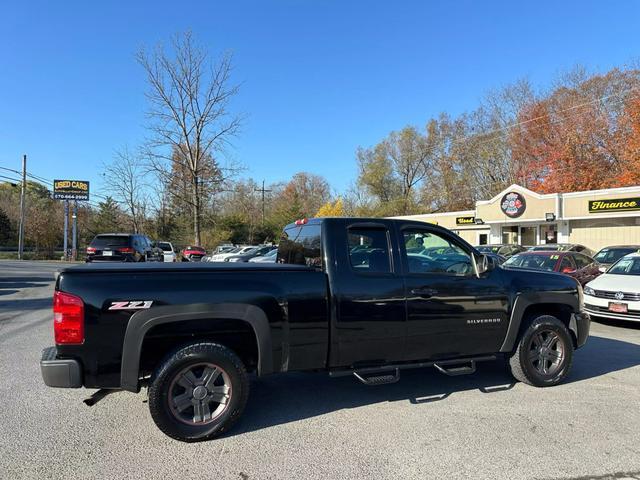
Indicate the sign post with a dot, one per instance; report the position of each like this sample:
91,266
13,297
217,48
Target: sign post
71,190
74,240
66,229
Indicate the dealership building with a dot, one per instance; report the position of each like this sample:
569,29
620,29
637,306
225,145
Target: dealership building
595,218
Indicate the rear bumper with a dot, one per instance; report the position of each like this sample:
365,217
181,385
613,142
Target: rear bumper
580,324
60,372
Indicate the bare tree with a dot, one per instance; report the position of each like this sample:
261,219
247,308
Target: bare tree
189,114
125,181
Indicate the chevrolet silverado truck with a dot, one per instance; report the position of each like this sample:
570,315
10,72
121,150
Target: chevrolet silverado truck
347,296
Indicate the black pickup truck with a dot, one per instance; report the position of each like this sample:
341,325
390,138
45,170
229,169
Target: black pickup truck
362,297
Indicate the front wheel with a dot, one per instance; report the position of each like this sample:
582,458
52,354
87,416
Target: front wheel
198,392
544,354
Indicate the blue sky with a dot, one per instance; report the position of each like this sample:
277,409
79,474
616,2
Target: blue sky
319,78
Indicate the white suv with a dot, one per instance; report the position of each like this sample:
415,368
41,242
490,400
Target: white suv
168,251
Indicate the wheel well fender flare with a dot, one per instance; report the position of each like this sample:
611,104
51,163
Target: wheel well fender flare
524,301
144,320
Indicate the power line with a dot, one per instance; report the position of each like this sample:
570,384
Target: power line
11,179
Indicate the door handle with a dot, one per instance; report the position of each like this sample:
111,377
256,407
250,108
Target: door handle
424,292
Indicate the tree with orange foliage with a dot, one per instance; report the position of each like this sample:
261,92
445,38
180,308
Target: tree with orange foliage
629,141
571,140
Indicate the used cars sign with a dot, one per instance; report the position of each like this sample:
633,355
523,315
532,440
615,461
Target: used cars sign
70,190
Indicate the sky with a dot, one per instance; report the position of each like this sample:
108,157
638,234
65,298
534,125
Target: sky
318,78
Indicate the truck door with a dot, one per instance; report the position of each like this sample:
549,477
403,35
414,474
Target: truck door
370,322
450,311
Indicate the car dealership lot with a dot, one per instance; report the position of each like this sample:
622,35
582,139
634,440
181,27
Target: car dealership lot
308,425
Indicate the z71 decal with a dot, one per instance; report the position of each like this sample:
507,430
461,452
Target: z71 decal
131,305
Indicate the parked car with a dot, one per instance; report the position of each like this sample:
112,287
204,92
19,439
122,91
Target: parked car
505,249
578,265
192,253
122,247
562,247
220,257
610,255
253,253
169,253
266,258
322,307
223,248
616,293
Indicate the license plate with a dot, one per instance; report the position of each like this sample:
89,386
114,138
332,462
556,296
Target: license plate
618,307
107,253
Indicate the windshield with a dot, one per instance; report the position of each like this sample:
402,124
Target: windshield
612,255
535,262
166,247
110,241
626,266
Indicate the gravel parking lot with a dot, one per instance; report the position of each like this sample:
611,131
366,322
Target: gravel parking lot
310,426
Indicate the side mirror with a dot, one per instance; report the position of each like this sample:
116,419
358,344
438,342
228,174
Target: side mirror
602,268
484,263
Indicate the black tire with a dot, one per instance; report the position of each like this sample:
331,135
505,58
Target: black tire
538,364
167,396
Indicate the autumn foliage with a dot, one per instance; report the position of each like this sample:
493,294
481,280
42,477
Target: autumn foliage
581,137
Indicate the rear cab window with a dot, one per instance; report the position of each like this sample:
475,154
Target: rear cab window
301,245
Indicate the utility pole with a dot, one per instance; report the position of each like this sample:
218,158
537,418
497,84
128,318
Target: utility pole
23,207
263,192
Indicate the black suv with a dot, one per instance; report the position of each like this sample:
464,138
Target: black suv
122,247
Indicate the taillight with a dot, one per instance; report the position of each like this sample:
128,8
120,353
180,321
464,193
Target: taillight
125,250
68,318
91,250
302,221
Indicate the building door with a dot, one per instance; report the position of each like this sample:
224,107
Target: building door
509,235
528,235
549,233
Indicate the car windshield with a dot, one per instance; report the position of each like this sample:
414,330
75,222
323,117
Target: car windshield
535,262
110,241
166,247
612,255
626,266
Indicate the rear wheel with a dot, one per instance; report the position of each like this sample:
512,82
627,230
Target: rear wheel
198,392
544,354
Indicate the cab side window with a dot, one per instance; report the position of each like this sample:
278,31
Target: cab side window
369,250
430,252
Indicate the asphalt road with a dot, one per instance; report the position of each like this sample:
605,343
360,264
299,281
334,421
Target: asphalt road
313,427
